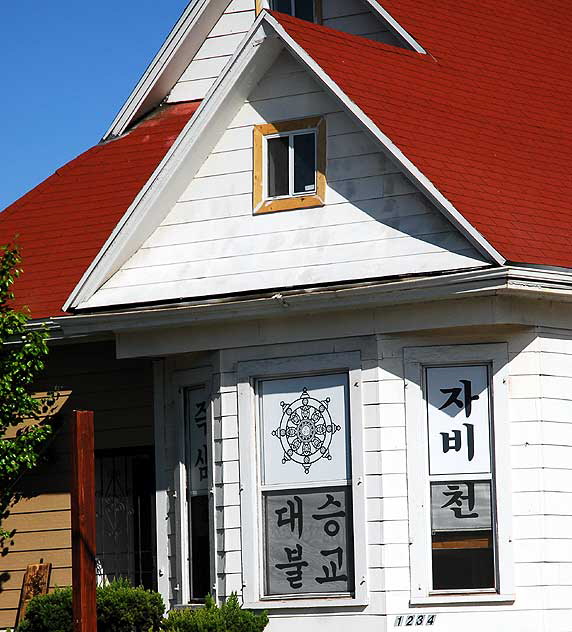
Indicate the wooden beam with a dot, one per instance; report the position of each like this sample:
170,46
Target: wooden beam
83,522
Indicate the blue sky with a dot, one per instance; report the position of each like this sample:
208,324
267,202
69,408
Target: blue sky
66,68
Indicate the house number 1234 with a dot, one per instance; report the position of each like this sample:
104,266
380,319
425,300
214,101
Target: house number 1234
415,619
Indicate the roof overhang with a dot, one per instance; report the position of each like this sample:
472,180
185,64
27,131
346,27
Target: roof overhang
254,56
507,281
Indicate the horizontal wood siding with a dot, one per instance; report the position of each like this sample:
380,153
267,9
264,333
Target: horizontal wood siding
375,223
350,16
215,52
120,393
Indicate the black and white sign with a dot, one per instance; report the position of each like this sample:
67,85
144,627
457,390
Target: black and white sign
461,506
458,414
305,429
308,542
197,452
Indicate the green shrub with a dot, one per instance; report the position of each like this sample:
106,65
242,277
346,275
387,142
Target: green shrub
49,613
120,608
230,617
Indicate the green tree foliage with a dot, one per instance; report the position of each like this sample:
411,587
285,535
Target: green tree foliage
23,352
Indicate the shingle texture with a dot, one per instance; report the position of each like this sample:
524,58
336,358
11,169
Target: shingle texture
63,222
485,115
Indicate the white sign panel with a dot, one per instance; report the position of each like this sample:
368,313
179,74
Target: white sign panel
305,426
197,452
461,506
458,416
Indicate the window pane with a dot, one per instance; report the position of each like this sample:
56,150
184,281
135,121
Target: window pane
200,549
277,149
284,6
305,429
309,542
458,414
305,163
304,10
462,536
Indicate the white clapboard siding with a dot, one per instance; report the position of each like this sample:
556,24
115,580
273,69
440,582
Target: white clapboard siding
350,16
375,222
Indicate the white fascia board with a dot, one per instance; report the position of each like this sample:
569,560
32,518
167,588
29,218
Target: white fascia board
183,159
395,26
170,62
414,174
508,281
198,137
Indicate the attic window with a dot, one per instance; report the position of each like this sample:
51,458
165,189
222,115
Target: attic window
310,10
289,165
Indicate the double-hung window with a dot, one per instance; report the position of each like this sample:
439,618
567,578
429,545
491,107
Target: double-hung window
289,165
303,501
459,501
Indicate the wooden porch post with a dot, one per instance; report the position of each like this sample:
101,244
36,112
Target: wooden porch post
83,522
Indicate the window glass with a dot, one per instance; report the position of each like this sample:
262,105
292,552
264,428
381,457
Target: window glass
462,537
306,492
304,9
459,432
284,6
197,460
304,163
278,166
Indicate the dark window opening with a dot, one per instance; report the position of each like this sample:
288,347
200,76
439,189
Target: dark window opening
304,163
199,566
125,519
278,166
291,164
303,9
463,561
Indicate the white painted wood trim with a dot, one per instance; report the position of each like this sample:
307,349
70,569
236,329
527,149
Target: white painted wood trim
178,382
248,372
161,485
394,25
170,62
415,359
138,221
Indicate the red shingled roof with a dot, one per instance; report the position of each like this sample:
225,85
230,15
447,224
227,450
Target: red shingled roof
63,222
485,115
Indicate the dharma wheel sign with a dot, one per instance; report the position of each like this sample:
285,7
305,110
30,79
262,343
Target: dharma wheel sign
306,430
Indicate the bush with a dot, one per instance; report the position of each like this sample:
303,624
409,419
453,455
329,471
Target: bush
120,608
49,613
230,617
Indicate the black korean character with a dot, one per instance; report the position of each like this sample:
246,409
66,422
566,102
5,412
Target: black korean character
457,500
293,567
453,441
331,572
201,463
331,526
454,397
201,416
291,515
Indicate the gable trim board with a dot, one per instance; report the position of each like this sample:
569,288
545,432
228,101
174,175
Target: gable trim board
180,48
199,136
169,63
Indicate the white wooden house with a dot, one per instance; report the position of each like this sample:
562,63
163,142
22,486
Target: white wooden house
345,277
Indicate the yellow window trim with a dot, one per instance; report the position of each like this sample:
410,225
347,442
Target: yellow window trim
263,4
262,205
